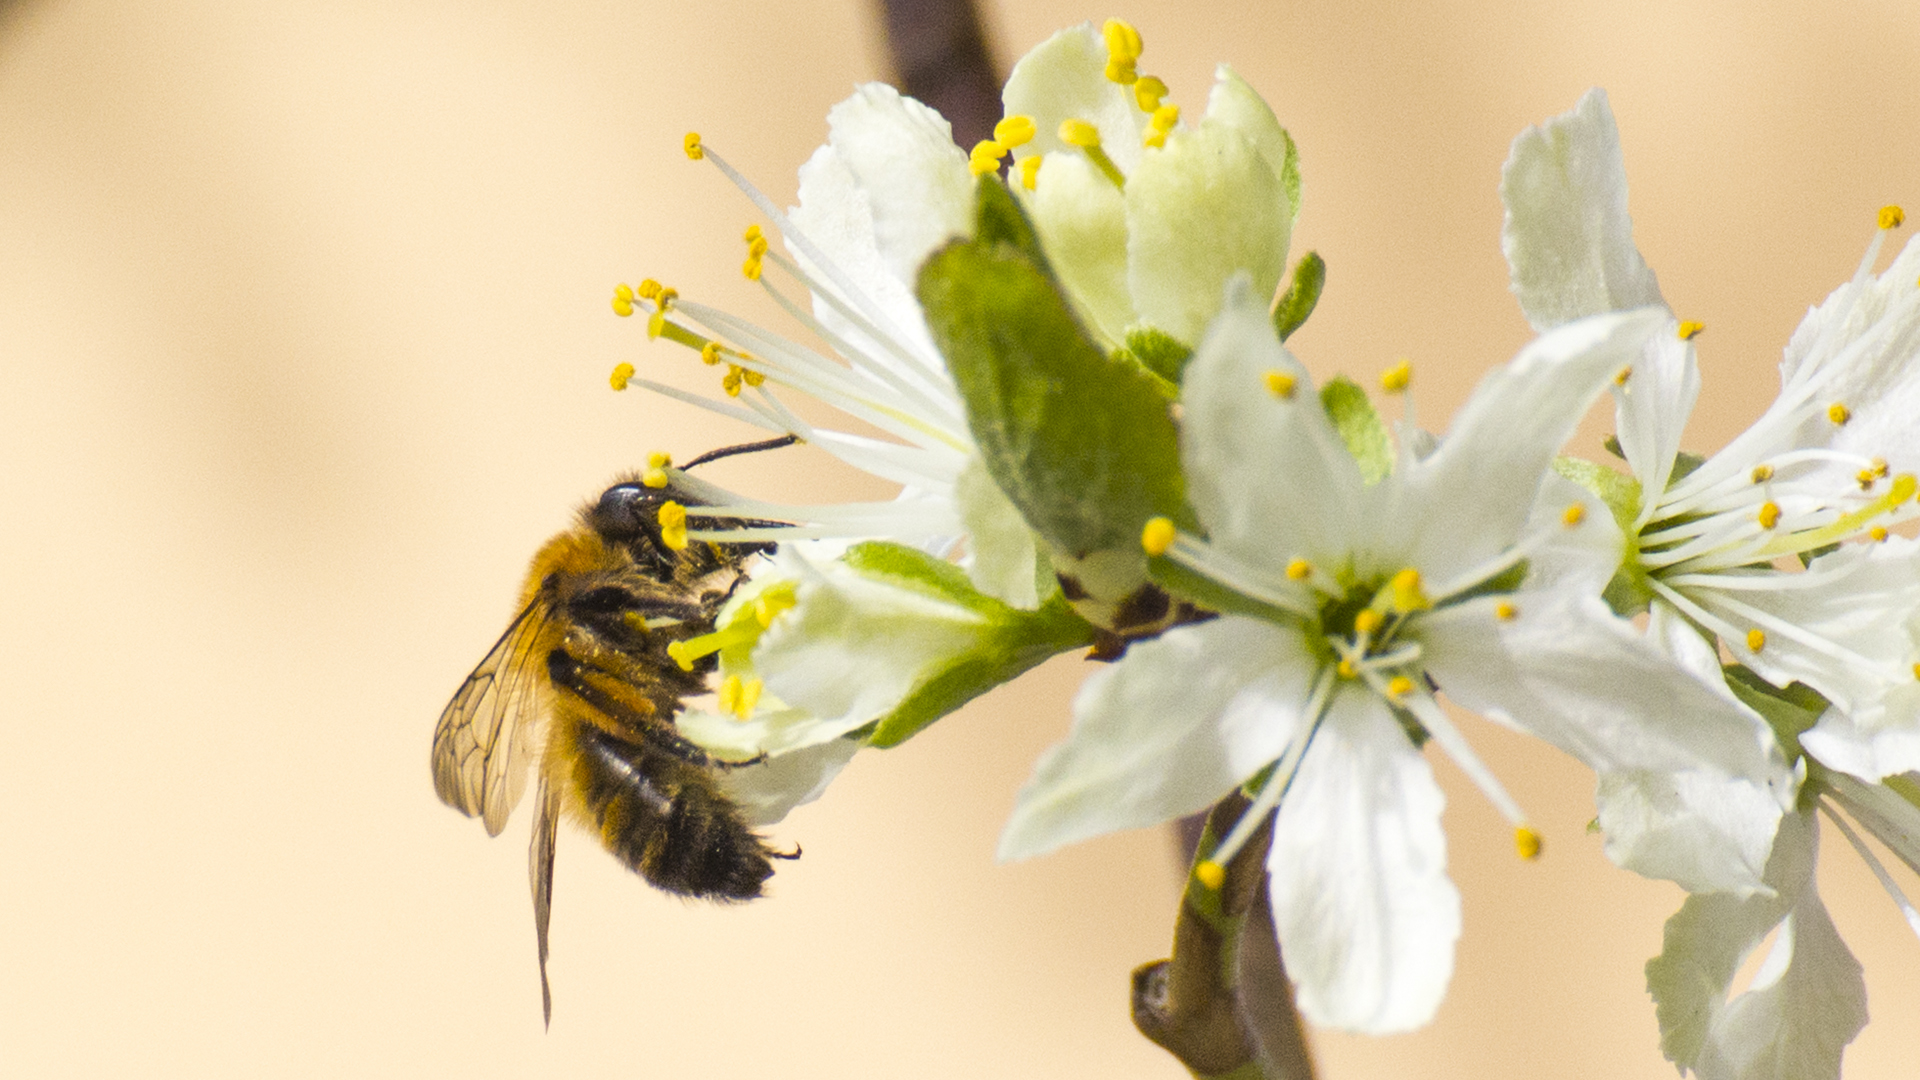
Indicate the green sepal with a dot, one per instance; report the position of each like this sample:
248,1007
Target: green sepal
1159,352
1630,590
1203,591
1303,292
1081,442
1790,712
1359,425
1017,640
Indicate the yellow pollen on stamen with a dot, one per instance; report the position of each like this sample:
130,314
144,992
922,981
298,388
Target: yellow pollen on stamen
649,290
673,525
1879,466
751,268
1762,473
1030,171
1347,669
1158,536
1625,374
985,157
1368,621
753,232
1574,514
730,382
1527,842
654,478
1149,92
1505,611
1916,671
1756,639
1210,873
1878,533
659,459
749,697
1866,478
1689,330
1892,217
710,353
1014,131
622,301
1407,593
1769,514
1839,413
753,378
692,145
1279,384
1397,378
621,373
1165,119
1399,686
730,694
1076,132
1123,51
1299,570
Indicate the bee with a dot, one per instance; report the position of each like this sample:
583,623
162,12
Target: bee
580,690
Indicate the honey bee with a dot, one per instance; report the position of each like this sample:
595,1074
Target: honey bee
581,690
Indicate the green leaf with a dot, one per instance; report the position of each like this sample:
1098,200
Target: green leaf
1017,640
1081,442
1159,352
1790,712
1359,426
1619,491
1303,293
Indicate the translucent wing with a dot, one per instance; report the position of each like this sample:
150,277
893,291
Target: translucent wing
540,876
483,744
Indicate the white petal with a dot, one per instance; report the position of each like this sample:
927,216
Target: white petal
1651,411
1891,819
1267,473
1576,560
1208,205
1366,916
1467,502
1705,831
1082,221
1807,1001
1064,78
1567,237
1003,561
769,791
1168,730
1874,752
1567,670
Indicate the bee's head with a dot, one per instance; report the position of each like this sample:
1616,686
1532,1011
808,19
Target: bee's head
630,510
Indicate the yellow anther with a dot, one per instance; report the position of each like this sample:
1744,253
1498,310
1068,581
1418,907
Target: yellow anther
1769,514
1079,133
1866,477
673,525
692,145
756,246
655,478
1756,639
1879,466
753,233
749,697
1299,570
1397,378
1279,384
753,378
1878,533
710,353
1154,138
730,694
1690,330
679,653
1210,873
1762,473
1368,621
985,157
1916,671
1625,374
1527,842
1399,686
1014,131
666,295
1347,669
1574,514
1149,92
751,268
1505,611
1157,536
621,373
1123,41
659,459
730,382
622,306
1030,171
1121,71
1407,593
1891,217
1165,119
1839,413
649,290
623,291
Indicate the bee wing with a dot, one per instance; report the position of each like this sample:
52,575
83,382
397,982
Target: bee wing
483,743
540,876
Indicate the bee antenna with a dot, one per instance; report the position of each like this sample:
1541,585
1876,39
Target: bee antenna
744,448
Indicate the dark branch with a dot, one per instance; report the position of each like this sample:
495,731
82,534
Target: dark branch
940,57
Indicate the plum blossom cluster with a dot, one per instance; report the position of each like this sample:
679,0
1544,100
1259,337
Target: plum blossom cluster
1068,347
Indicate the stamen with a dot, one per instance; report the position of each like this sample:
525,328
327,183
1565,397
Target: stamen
622,301
1030,171
985,157
749,696
1299,570
622,372
1158,536
1878,533
1873,863
1406,592
1164,120
673,526
1397,378
1149,92
656,475
1892,217
1528,843
1399,686
1081,134
1279,384
1014,131
1689,330
1347,668
1769,515
1756,640
1838,413
1123,51
740,632
1435,720
1282,777
692,145
1625,374
1369,621
1210,873
1574,514
1762,473
1505,611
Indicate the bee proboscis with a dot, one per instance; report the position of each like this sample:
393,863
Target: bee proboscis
581,689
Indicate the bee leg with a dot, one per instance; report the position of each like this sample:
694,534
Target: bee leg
794,854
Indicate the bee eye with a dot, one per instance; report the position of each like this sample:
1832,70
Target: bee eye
622,508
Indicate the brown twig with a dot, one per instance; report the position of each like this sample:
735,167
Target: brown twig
940,57
1200,1006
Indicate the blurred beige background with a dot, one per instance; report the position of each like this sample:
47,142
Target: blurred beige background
304,333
